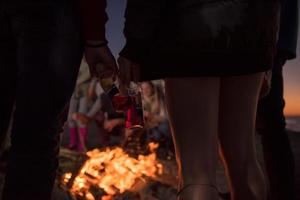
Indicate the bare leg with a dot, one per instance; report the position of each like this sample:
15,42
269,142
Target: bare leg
238,102
192,105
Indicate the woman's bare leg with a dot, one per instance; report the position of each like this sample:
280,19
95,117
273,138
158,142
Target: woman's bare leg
192,105
238,102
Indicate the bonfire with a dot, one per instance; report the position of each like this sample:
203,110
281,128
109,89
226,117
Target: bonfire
113,171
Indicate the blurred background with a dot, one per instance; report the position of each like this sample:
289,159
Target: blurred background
116,10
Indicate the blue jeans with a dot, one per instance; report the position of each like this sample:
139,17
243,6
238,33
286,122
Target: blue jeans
40,53
160,131
162,134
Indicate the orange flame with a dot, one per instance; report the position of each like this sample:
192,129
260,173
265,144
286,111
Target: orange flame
114,171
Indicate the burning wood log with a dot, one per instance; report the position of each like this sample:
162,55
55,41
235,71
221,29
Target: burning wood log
111,170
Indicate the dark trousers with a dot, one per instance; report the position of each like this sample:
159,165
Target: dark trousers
40,53
278,155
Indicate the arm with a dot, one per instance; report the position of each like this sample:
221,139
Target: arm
110,124
94,18
158,117
95,108
91,93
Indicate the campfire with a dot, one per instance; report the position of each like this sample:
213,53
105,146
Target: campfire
113,171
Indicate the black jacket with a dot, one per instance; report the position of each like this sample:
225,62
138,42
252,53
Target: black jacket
201,37
288,35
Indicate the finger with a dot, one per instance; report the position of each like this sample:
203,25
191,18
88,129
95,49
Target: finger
122,86
93,71
92,68
108,59
111,66
104,71
102,55
124,70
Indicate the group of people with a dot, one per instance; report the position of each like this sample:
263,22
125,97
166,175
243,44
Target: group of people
89,103
213,56
85,104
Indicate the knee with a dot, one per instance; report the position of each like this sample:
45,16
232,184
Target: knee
72,124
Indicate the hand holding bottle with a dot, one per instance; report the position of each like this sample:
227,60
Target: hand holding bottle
129,71
95,54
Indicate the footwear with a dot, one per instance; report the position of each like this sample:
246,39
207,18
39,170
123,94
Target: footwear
73,139
83,132
196,186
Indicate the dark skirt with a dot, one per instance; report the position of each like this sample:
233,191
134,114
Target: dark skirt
218,38
205,65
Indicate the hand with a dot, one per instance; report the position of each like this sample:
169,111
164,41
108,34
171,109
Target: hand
91,93
109,125
103,55
128,71
81,118
147,115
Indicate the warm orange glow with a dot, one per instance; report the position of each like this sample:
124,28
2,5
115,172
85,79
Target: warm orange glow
108,197
67,177
292,99
292,108
114,171
292,87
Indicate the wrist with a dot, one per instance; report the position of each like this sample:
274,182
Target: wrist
95,43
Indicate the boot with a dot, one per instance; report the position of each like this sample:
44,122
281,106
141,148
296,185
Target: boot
73,139
83,132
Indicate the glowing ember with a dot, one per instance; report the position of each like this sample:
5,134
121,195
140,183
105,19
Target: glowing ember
67,177
114,171
108,197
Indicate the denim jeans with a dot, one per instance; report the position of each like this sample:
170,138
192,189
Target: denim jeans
40,53
278,155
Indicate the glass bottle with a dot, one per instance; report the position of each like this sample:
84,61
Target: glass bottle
126,100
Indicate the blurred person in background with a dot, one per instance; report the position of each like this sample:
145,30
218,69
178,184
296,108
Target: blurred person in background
155,115
277,151
84,101
109,126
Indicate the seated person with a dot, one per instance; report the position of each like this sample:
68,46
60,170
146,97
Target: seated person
156,120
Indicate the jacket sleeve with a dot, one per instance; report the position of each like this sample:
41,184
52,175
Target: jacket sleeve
94,18
142,20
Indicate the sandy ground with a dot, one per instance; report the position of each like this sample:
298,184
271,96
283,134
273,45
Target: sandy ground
95,140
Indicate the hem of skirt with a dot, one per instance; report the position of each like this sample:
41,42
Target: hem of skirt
206,65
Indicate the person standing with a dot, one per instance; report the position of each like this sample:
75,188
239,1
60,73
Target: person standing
41,46
277,151
212,55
